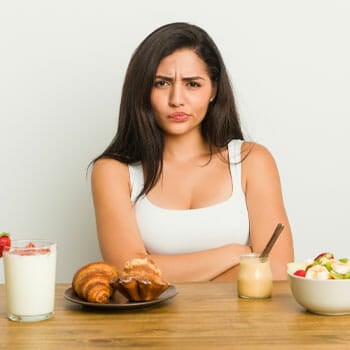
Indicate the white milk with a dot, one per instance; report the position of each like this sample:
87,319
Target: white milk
30,282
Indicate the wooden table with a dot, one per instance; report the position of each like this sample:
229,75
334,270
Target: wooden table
201,316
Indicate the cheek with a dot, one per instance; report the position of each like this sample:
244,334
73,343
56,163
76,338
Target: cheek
201,104
156,101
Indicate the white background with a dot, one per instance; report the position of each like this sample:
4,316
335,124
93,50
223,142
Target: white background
62,65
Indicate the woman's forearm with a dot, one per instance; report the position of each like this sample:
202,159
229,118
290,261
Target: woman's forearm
200,266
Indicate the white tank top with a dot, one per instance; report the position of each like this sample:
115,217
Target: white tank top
172,231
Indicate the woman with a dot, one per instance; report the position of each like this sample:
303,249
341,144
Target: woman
178,182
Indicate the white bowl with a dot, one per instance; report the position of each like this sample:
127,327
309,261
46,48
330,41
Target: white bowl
325,297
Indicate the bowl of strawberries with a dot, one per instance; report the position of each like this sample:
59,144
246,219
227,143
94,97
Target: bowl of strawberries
321,285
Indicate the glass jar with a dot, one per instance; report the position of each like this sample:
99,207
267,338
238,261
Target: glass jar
254,277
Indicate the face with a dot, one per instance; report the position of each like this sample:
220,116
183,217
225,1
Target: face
181,93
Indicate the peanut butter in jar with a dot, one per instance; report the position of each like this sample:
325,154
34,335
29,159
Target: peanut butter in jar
254,277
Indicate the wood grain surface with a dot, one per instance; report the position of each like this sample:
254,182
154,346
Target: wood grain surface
201,316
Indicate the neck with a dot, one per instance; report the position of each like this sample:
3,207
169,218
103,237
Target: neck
184,147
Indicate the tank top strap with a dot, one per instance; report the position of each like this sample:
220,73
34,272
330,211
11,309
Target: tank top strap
136,179
234,153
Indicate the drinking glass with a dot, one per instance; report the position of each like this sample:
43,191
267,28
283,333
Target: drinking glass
254,277
30,275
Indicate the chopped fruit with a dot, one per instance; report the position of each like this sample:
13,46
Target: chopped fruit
300,273
31,249
325,267
317,272
340,267
5,241
335,275
325,256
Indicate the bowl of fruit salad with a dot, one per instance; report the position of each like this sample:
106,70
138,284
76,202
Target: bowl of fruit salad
321,285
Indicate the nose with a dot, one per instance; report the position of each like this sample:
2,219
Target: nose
176,96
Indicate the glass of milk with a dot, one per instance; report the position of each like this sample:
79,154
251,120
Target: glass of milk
254,277
30,275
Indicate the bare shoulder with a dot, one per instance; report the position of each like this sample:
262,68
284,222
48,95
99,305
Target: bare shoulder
255,154
257,162
108,165
109,170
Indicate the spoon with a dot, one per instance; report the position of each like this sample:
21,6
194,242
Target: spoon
279,228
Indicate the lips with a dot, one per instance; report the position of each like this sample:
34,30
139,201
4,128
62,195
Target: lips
179,116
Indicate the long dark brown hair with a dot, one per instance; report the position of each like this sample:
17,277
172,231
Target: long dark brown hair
138,137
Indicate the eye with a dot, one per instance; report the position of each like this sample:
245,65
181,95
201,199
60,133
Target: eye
161,83
193,84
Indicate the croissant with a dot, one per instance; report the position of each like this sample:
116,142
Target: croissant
140,280
92,282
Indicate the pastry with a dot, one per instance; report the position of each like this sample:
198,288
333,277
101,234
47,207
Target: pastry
92,282
140,280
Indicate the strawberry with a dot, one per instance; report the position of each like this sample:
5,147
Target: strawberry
31,249
300,273
5,241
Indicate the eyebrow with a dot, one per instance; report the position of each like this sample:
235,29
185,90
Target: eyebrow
184,78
